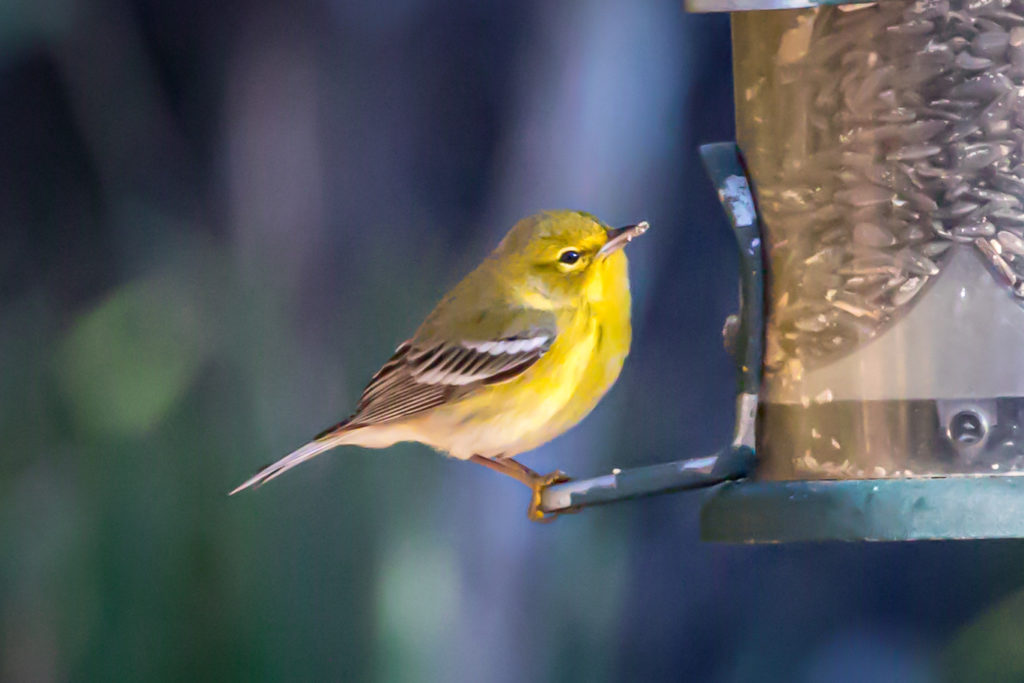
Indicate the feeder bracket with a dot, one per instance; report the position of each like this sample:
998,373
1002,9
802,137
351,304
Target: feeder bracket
735,461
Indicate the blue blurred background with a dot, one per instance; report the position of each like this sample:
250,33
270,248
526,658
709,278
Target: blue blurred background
218,219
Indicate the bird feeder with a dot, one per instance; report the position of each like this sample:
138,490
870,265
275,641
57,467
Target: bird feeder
876,190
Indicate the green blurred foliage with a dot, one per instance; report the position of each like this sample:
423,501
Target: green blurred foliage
990,648
130,359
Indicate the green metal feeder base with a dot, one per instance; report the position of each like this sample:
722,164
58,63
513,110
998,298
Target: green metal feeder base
946,508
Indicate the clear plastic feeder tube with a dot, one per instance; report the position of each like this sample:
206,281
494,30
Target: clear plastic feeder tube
886,145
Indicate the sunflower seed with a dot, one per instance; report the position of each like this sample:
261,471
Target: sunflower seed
1007,218
972,230
996,261
991,44
1004,16
983,87
908,290
996,199
917,263
958,209
999,109
933,249
968,62
902,133
970,158
1008,183
1011,242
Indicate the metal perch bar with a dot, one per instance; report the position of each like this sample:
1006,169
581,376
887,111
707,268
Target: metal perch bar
723,163
682,475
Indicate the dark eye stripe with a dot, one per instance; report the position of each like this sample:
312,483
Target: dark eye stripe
569,257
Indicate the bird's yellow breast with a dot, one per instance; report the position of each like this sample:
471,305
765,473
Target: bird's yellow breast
555,393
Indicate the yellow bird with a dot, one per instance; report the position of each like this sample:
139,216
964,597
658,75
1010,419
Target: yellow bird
516,354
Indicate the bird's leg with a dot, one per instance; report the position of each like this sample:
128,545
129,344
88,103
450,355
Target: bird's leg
522,473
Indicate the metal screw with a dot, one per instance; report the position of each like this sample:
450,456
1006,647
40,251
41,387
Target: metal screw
967,428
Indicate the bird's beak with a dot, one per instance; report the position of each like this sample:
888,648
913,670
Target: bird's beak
620,237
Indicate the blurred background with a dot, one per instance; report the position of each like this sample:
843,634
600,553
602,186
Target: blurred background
218,219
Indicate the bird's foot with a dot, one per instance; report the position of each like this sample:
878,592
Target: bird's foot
537,486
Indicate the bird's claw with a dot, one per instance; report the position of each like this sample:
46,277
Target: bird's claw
536,513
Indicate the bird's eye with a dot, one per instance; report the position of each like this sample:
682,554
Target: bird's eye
569,256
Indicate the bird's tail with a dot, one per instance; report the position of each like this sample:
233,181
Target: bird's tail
333,437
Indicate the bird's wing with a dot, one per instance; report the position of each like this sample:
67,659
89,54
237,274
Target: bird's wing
425,373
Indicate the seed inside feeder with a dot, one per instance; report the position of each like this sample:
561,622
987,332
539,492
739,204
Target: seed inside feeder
902,132
887,154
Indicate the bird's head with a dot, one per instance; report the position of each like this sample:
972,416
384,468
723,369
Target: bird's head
566,256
